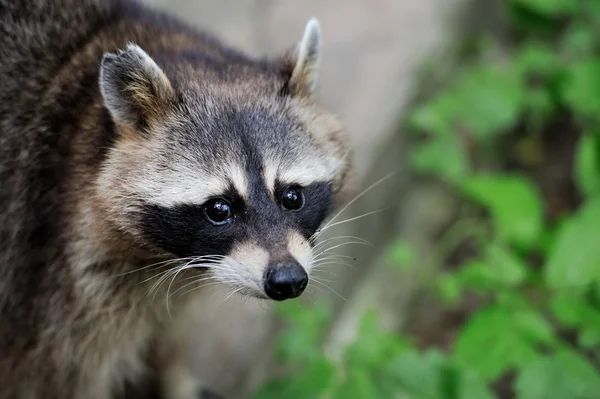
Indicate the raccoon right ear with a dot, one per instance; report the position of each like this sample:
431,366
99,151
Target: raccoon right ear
134,89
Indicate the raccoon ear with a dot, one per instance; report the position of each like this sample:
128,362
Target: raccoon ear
303,62
134,89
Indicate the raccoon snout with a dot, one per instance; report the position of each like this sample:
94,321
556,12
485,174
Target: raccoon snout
285,280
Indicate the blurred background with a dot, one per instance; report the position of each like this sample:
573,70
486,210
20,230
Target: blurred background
470,267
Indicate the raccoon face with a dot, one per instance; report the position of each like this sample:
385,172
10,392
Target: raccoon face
232,167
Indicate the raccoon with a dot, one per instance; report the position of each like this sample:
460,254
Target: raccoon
138,156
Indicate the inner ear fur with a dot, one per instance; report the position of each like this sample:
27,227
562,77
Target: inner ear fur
134,88
301,64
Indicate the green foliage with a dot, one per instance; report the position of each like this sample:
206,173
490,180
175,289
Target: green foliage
537,278
574,260
507,335
513,204
377,364
562,375
587,164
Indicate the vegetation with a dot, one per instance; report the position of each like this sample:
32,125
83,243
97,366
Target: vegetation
533,263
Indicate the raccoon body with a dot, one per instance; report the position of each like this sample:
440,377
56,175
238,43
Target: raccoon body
139,155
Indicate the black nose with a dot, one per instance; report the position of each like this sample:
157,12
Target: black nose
285,280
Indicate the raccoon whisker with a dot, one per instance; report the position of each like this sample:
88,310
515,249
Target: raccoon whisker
208,262
320,267
324,251
353,218
321,257
165,276
316,256
338,238
356,198
171,261
262,304
189,265
244,299
171,283
320,278
197,280
328,287
317,266
157,264
314,292
310,295
356,240
217,282
229,296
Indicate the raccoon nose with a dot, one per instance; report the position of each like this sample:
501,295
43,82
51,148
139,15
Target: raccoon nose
285,280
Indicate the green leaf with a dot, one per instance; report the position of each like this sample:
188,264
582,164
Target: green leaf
272,389
537,58
534,328
575,312
507,268
418,374
300,342
430,375
435,116
499,269
313,382
568,309
497,332
580,89
470,386
477,275
550,8
488,100
587,164
513,203
565,375
589,338
358,385
373,345
578,40
440,156
574,260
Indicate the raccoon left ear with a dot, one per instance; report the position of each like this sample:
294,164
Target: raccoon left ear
303,63
134,88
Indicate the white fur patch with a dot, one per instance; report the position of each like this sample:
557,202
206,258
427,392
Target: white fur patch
190,186
243,269
300,249
182,189
238,178
304,172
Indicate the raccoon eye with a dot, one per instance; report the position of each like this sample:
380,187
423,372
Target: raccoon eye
292,198
217,211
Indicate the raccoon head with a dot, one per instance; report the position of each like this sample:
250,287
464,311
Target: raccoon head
229,163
